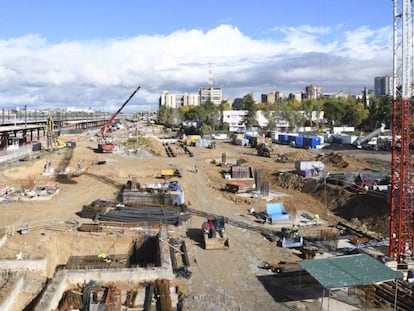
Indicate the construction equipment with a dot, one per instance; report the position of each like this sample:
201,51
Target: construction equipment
105,143
364,141
264,150
279,267
52,142
214,233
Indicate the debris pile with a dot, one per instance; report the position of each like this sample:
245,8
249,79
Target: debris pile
34,192
335,159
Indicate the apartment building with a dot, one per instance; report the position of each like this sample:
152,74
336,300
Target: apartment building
214,94
179,100
313,92
383,86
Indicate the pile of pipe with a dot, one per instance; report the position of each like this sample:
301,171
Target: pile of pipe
145,214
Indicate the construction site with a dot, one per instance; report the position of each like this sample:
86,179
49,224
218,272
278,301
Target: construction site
143,217
172,226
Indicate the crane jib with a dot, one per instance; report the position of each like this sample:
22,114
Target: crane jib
107,124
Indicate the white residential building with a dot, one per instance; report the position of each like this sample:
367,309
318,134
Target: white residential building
313,92
214,94
179,100
235,119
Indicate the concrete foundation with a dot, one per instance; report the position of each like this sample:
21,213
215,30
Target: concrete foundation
65,279
39,265
7,304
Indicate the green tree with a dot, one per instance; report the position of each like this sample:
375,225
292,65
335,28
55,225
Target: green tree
271,114
249,105
289,110
212,114
379,111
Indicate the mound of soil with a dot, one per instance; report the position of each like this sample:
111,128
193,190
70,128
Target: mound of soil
370,210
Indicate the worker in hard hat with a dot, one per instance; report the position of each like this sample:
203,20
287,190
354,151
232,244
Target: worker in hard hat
294,230
316,219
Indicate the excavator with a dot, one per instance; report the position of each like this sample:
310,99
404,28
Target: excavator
52,142
105,143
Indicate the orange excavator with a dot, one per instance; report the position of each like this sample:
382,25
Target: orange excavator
105,143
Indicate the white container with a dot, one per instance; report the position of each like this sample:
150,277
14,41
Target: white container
309,165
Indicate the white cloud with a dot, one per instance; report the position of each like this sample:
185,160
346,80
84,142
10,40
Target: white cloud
102,73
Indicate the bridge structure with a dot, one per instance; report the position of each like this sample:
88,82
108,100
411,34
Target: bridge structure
18,133
21,129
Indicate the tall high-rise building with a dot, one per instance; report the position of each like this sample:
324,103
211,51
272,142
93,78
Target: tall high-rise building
269,98
213,94
383,86
313,92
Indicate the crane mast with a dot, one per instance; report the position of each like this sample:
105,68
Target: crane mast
402,158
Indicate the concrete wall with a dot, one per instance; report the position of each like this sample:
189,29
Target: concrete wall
3,240
24,264
65,279
7,304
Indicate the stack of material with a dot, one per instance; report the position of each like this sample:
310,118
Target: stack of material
162,290
95,208
145,214
152,194
241,172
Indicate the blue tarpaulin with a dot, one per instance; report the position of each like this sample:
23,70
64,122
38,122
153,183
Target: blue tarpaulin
276,211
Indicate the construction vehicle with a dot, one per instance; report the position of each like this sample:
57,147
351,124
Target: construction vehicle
280,267
264,150
105,143
214,233
365,141
52,142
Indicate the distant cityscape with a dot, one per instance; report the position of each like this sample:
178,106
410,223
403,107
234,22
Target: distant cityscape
214,94
382,87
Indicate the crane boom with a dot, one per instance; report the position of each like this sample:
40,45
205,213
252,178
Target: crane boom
109,122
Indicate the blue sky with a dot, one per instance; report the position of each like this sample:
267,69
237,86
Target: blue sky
93,53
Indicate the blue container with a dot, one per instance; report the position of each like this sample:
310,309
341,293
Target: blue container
283,139
311,142
299,141
337,140
292,138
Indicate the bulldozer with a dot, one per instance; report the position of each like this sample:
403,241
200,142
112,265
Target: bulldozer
264,150
214,233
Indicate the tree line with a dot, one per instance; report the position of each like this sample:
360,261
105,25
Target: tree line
337,112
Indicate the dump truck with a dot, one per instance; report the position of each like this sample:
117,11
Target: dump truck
214,233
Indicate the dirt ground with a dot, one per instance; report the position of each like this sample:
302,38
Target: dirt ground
221,279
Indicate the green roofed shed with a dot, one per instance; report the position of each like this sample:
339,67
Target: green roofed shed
349,271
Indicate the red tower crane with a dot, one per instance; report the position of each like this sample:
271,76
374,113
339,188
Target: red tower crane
402,161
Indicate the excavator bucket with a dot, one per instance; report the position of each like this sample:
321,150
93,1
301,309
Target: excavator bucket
216,243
